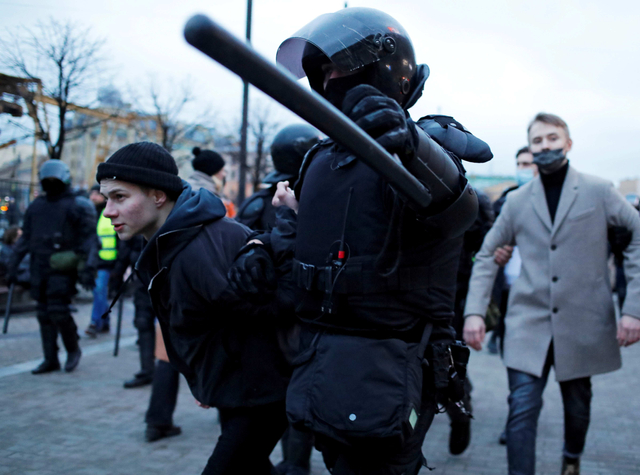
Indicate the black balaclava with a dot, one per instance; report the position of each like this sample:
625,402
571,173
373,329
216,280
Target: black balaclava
337,88
52,187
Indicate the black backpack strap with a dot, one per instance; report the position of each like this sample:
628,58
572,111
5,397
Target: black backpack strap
305,166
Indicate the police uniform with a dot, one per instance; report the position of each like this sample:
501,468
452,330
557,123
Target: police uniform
366,262
288,149
58,232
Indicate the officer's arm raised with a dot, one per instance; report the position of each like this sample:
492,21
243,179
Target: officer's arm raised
454,205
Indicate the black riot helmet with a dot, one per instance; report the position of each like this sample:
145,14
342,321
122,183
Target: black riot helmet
363,40
54,177
288,148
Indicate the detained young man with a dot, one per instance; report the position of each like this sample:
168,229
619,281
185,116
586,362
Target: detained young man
226,349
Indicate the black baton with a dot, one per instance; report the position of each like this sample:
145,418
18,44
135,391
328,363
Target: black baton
220,45
118,326
7,312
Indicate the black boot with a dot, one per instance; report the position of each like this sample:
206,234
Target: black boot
138,380
154,433
46,367
147,363
73,359
69,333
49,335
296,449
460,434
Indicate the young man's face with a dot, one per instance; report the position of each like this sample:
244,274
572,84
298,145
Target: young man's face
131,209
524,161
543,137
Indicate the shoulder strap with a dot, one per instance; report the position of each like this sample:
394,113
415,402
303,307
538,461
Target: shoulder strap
305,166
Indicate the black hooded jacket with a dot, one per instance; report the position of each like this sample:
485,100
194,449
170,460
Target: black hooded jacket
226,348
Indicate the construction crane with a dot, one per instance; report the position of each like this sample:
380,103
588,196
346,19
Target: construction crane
11,85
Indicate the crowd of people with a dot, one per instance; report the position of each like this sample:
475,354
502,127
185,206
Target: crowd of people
331,310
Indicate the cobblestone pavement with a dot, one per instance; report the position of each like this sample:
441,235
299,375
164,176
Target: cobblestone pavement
85,423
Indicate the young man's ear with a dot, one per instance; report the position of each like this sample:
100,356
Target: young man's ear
569,145
159,198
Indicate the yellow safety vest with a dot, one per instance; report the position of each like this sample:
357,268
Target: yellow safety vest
107,236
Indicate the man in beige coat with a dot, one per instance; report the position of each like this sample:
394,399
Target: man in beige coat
560,309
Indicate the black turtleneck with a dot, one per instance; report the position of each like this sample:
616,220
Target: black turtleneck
552,183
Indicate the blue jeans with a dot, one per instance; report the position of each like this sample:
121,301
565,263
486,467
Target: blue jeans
100,299
525,403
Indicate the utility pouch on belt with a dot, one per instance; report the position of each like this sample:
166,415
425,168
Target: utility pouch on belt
351,388
448,362
64,261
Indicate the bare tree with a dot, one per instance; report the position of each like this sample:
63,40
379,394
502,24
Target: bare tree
168,105
61,59
263,128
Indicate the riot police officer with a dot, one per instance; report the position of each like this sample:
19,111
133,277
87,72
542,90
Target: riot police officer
372,272
58,232
288,148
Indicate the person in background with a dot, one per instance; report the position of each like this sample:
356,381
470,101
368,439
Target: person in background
526,171
460,434
209,173
58,232
106,243
288,149
559,222
9,240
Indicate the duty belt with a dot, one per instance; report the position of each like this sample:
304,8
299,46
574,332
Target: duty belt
358,277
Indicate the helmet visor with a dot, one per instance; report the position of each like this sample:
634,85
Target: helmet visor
351,38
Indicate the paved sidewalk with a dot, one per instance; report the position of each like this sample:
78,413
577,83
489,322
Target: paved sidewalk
85,423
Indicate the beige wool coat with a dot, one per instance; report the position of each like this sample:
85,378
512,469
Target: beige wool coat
563,292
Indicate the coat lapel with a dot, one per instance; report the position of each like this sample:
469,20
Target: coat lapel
539,201
567,197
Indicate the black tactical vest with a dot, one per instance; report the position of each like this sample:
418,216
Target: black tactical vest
52,225
397,271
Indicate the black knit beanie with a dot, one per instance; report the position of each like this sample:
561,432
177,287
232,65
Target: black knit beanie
207,161
143,163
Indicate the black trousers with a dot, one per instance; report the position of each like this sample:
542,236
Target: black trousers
53,293
248,437
164,395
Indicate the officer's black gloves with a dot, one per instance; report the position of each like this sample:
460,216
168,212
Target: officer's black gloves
252,275
383,119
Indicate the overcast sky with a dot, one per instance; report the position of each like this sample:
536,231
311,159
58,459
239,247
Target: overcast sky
494,63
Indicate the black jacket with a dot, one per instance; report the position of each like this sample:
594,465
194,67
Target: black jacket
61,223
257,212
227,349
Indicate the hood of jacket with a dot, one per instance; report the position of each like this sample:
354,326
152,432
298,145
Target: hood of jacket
193,209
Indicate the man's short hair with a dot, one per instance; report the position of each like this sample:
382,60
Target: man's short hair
552,119
521,151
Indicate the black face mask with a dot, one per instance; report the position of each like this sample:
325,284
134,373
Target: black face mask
53,187
337,88
549,161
